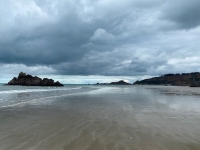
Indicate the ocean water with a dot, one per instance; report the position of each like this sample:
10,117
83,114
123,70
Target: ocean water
81,117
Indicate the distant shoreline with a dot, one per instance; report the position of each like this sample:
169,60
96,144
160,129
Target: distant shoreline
184,79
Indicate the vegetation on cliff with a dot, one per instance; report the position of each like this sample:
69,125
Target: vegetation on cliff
184,79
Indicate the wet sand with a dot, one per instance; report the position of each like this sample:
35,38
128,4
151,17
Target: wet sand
106,118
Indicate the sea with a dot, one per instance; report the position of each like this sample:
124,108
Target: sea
99,117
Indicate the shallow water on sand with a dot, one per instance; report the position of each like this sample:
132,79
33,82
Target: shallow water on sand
100,118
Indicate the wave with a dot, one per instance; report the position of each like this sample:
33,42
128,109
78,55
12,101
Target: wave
37,90
24,102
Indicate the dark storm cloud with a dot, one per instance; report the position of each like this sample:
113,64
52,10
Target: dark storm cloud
186,14
47,43
104,37
138,65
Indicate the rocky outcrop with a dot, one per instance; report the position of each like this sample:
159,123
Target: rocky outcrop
121,82
28,80
195,84
184,79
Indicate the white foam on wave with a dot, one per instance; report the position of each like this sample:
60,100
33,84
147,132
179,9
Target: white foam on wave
25,102
37,90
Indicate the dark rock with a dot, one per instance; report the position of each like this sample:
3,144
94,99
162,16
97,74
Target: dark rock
195,84
121,82
22,75
28,80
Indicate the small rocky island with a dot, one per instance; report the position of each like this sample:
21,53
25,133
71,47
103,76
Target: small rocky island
28,80
121,82
184,79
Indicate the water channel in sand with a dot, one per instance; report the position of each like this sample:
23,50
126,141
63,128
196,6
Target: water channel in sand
100,118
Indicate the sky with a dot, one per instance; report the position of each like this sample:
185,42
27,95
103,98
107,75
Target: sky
88,41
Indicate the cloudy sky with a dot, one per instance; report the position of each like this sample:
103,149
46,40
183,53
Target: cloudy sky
95,40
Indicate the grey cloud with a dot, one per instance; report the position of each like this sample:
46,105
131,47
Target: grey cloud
186,14
138,65
102,36
99,37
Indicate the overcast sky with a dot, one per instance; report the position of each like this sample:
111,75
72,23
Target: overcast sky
132,38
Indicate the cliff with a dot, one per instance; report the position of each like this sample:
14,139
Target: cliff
184,79
28,80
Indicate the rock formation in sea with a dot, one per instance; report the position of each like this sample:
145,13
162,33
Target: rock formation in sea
121,82
184,79
28,80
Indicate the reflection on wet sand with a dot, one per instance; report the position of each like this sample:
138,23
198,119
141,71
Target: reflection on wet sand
109,118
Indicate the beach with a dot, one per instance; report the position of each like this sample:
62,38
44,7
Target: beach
99,117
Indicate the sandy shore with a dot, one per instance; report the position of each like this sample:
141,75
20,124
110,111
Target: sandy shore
110,118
